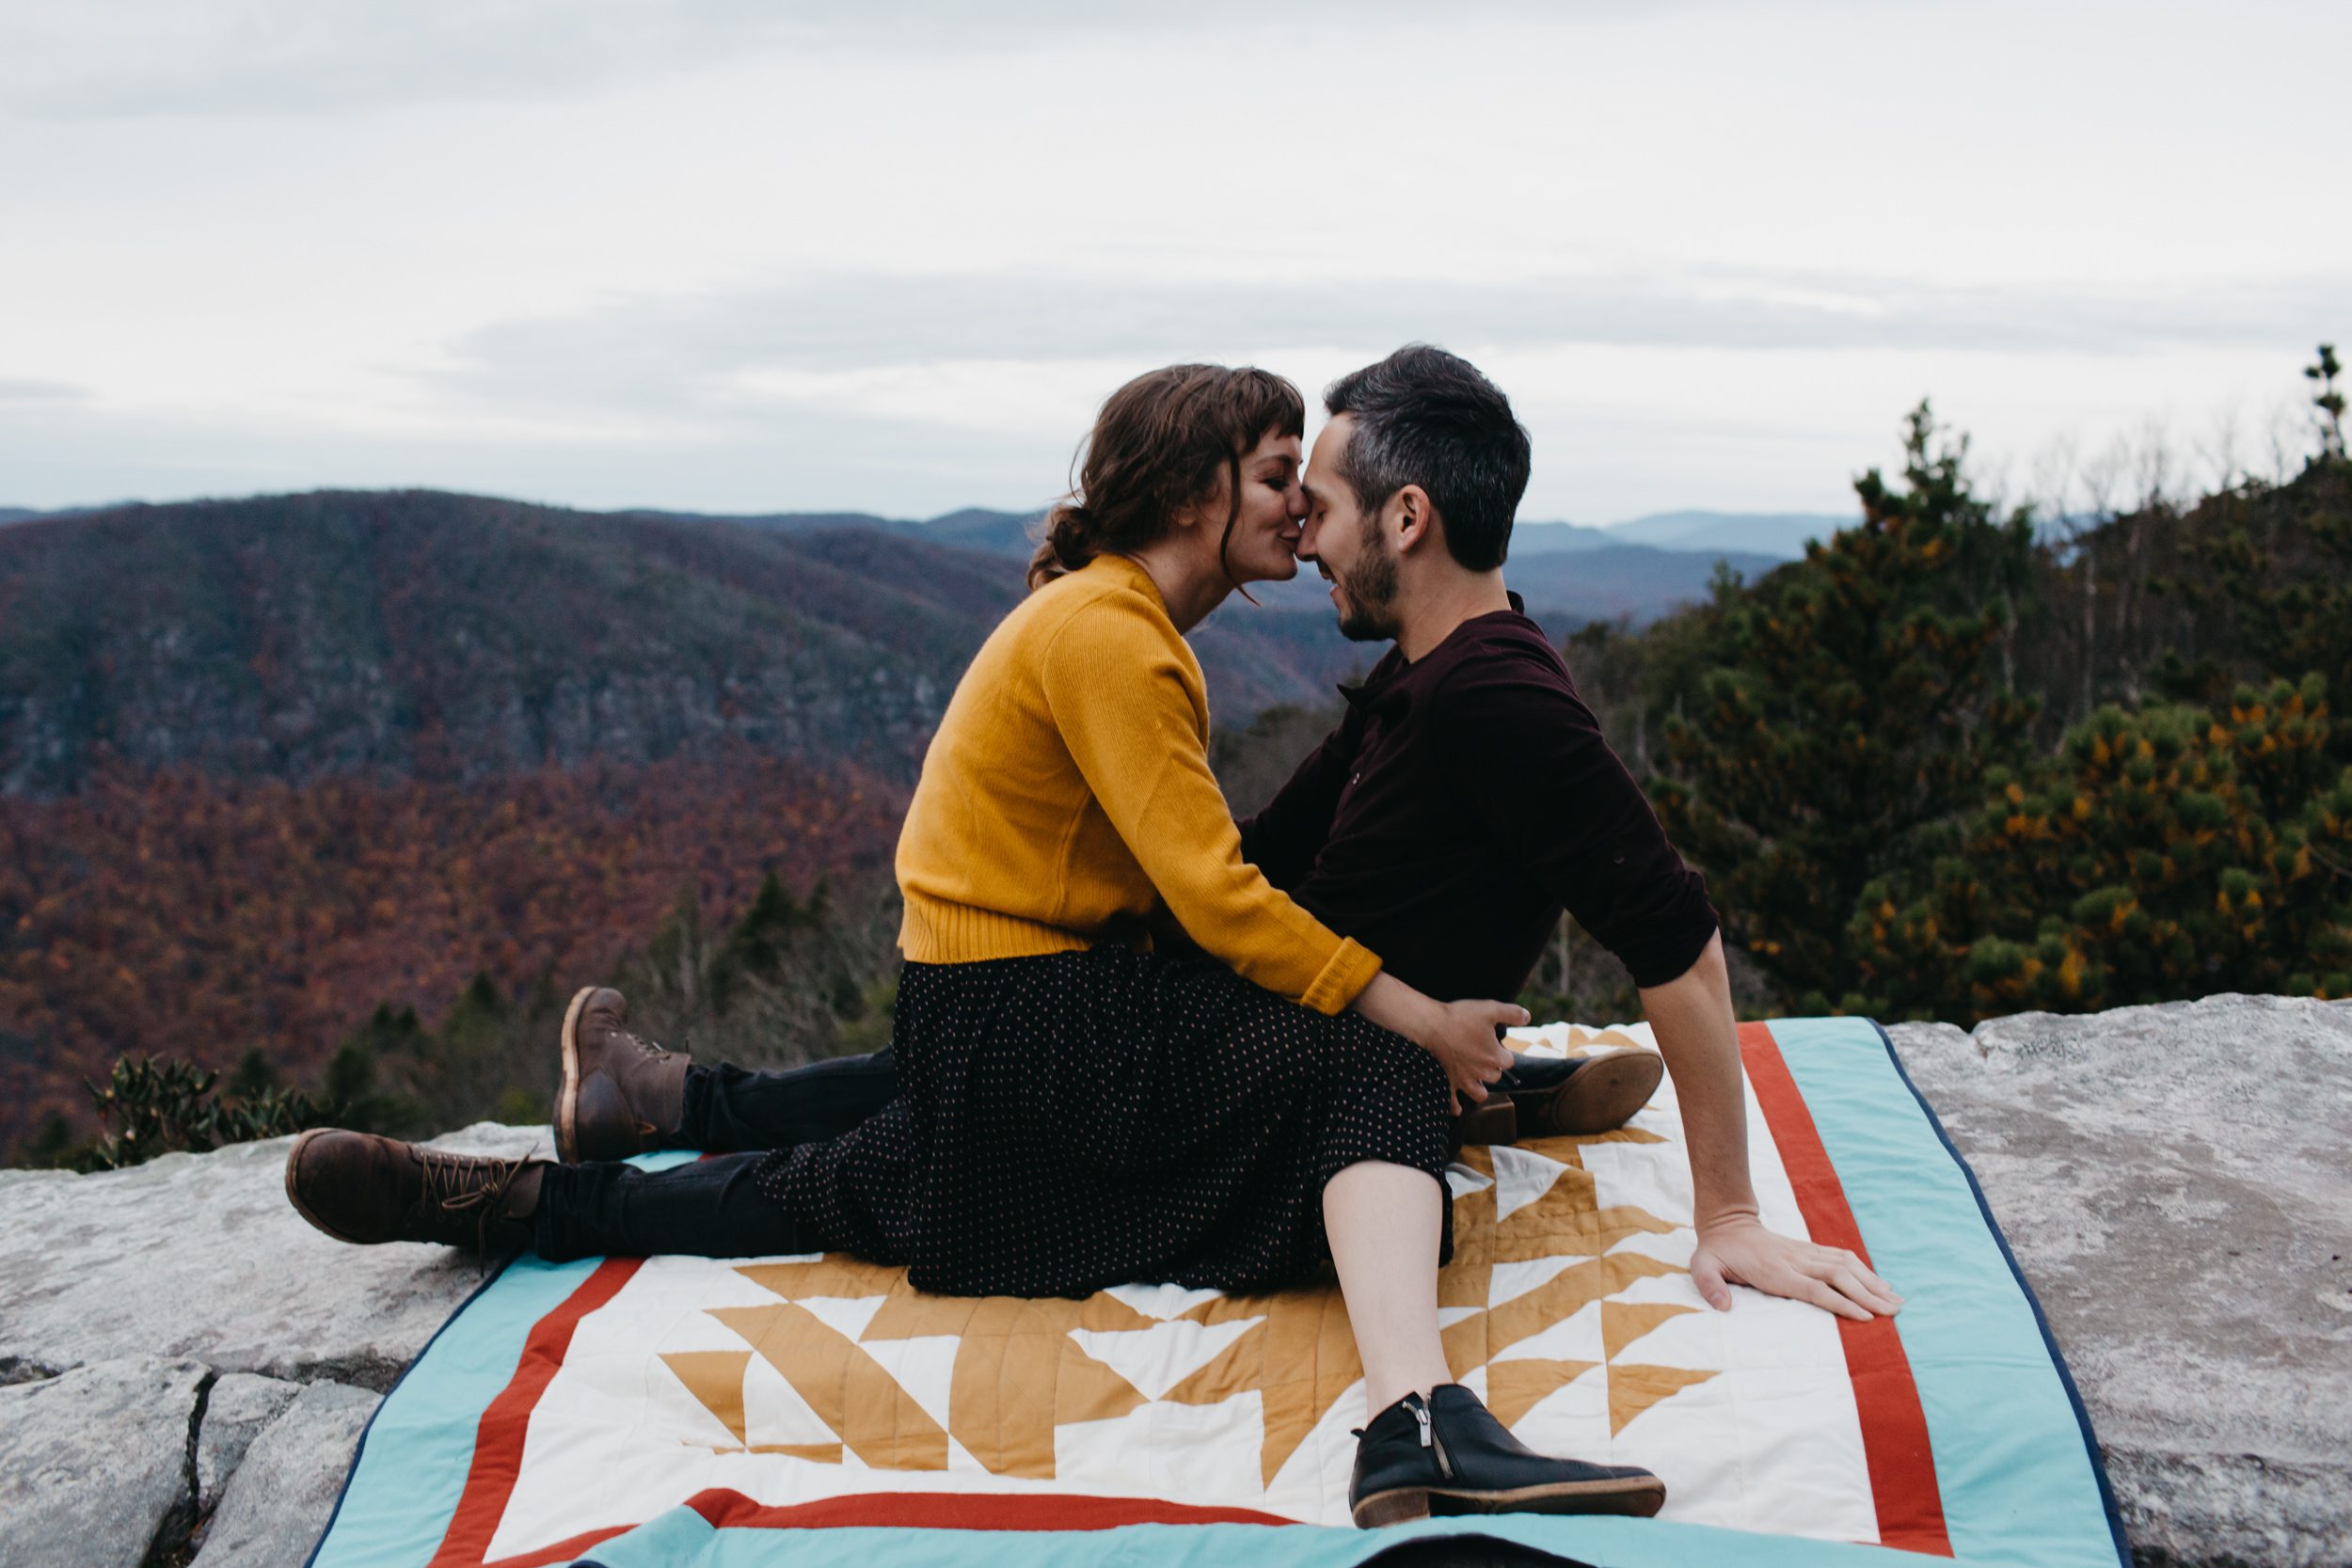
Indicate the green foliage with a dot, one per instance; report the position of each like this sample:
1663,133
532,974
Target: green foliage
756,951
2328,400
253,1076
1855,701
163,1105
55,1147
786,981
2273,565
2163,854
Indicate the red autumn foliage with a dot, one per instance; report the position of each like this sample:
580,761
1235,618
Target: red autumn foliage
184,915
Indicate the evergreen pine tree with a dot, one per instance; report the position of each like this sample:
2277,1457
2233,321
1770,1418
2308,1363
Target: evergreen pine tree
1857,700
2162,855
253,1077
2273,564
756,947
2328,400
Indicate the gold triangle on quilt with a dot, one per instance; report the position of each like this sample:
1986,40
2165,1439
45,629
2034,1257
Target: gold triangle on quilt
1515,1387
850,1391
1622,1322
715,1378
1633,1390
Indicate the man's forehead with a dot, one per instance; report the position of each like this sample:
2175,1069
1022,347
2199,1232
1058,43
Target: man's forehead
1330,440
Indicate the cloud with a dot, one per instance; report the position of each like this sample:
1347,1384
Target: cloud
326,56
816,460
38,392
713,349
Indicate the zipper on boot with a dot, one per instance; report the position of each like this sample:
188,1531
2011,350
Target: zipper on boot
1429,1438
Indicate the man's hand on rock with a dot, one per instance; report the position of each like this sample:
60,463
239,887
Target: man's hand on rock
1738,1250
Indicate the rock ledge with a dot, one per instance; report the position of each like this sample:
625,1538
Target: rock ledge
2175,1184
2172,1178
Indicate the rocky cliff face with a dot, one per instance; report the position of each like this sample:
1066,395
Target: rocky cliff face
188,1366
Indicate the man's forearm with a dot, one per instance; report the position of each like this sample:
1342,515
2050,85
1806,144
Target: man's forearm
1698,1035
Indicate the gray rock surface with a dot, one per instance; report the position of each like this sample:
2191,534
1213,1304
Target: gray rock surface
278,1503
2176,1182
97,1465
252,1287
241,1406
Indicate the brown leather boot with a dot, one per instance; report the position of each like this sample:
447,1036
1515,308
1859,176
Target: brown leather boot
361,1188
622,1094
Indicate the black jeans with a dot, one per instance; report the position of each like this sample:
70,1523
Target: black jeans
731,1110
712,1208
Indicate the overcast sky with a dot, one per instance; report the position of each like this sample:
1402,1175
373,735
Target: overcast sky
752,256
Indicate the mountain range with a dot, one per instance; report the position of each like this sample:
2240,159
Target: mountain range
268,763
422,633
1778,534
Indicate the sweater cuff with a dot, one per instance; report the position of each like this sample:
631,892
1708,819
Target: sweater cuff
1344,978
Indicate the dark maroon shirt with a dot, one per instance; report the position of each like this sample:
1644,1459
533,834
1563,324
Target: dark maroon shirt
1466,798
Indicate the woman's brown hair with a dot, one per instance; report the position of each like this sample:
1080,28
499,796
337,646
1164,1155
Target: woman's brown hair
1158,447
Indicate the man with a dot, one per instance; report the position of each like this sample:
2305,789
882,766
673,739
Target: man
1468,795
1465,798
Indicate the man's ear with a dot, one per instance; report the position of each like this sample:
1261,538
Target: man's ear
1417,517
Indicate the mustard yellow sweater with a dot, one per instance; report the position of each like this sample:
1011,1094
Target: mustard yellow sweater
1068,795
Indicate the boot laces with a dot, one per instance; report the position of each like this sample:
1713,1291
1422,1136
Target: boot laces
458,1185
647,1048
644,1047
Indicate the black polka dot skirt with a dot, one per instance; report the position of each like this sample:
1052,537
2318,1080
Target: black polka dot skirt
1084,1120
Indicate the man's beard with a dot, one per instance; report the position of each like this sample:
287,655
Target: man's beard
1369,591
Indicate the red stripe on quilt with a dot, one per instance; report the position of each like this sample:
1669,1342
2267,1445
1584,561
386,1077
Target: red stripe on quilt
498,1447
1894,1442
567,1550
725,1510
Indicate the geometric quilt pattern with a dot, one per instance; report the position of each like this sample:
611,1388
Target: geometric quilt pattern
714,1406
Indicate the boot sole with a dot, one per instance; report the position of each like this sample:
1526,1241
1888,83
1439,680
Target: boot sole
293,1158
1596,1099
567,1099
1633,1499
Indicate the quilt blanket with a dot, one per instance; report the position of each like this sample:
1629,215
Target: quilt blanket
815,1410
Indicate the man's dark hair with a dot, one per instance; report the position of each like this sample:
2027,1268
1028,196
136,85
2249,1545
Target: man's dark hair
1428,417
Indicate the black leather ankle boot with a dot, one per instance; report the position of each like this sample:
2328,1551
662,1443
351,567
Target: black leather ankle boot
1448,1454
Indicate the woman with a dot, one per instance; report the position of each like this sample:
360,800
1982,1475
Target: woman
1077,1109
